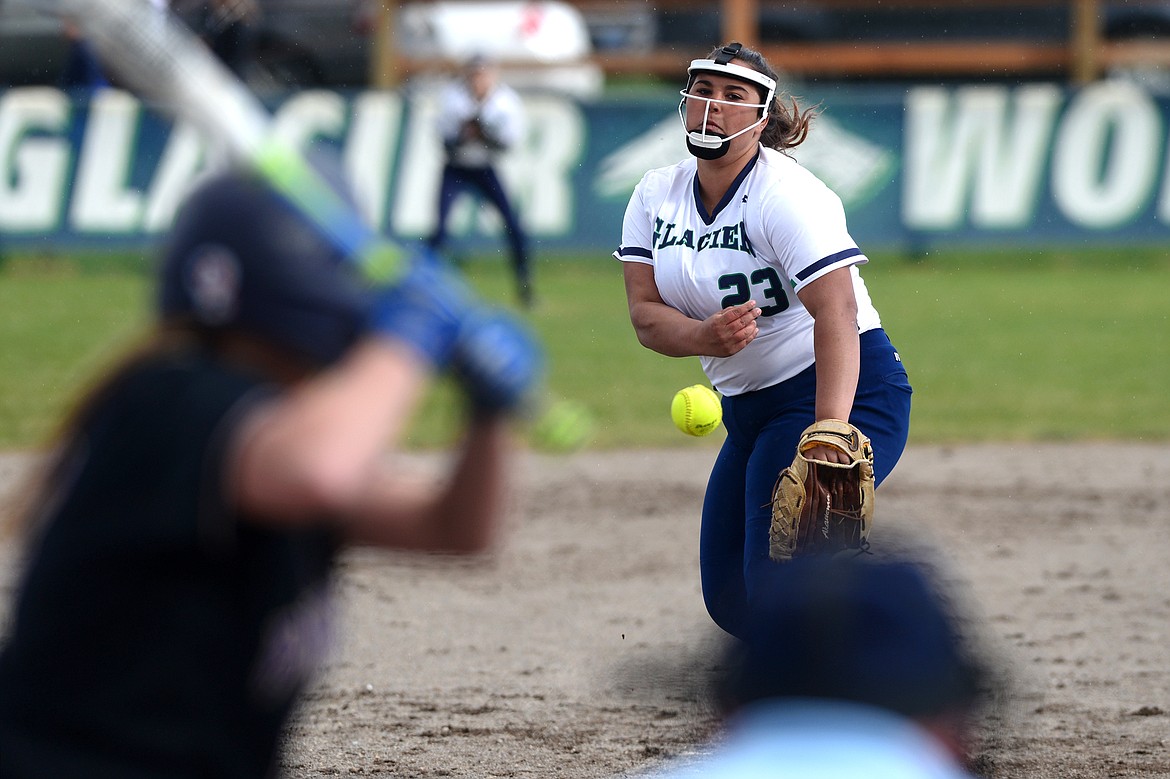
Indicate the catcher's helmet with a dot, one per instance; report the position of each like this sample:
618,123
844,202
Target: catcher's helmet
240,258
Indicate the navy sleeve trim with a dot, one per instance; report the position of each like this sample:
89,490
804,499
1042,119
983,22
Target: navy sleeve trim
832,259
634,251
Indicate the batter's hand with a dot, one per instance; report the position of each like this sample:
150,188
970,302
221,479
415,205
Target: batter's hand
733,328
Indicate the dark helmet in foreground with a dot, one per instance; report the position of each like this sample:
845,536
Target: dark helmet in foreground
239,258
879,632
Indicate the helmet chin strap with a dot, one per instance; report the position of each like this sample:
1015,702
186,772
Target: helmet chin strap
707,152
710,146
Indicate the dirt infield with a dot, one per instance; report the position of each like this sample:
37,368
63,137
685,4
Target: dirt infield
580,648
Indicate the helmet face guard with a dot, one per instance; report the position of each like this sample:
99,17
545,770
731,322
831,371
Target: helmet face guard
706,145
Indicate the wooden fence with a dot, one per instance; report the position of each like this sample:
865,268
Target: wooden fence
1082,55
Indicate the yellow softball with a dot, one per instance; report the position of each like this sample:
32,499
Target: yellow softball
696,410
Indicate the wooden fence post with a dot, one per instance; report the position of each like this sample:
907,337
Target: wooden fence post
384,63
741,22
1086,35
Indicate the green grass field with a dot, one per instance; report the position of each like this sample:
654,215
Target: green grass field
1016,347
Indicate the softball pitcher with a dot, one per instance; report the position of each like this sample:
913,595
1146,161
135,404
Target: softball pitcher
742,257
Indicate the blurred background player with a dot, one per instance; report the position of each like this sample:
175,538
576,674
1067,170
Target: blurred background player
850,669
82,69
479,118
742,257
176,597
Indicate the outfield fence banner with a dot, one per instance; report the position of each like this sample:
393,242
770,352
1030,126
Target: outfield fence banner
918,168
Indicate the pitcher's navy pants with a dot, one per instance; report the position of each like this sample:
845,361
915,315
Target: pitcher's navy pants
763,428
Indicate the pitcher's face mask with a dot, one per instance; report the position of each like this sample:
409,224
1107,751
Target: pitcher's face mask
710,146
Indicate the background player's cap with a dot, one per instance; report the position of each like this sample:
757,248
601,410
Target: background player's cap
239,257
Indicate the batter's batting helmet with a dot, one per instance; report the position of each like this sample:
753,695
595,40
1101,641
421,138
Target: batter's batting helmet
240,258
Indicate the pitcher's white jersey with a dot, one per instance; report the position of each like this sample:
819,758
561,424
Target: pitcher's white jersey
777,229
